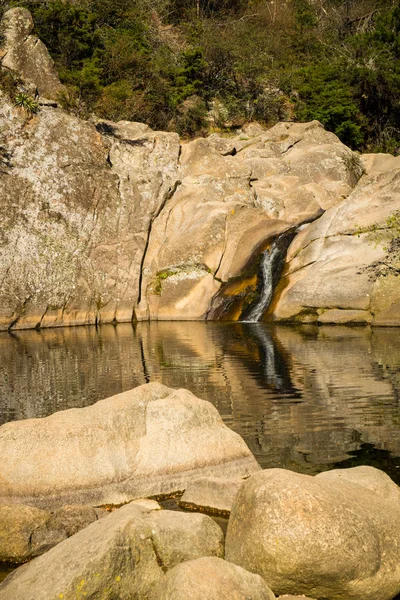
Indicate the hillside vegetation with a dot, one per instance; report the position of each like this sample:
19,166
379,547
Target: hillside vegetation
197,65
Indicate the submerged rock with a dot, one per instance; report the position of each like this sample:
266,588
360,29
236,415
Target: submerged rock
328,536
148,441
121,556
210,579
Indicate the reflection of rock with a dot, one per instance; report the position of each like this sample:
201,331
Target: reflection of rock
121,556
352,401
148,441
329,537
27,55
301,398
43,368
211,579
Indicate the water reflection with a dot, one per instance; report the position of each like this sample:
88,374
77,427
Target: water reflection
303,398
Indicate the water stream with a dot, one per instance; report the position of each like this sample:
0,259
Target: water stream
269,260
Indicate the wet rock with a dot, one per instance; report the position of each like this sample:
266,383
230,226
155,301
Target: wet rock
327,536
120,556
210,579
213,494
27,55
148,441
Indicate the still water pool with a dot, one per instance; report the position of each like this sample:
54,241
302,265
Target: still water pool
304,398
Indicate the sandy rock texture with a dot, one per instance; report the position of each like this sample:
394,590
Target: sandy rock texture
211,494
148,441
235,196
122,556
332,536
26,531
337,270
74,228
211,579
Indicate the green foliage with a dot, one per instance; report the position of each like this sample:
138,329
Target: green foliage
324,96
385,233
169,62
27,103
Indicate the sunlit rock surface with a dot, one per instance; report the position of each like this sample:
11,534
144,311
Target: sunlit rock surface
149,441
108,222
336,271
122,556
330,536
210,578
26,55
26,531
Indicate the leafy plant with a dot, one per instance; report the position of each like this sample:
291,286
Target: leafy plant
27,103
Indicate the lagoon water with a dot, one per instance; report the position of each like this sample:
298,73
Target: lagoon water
304,398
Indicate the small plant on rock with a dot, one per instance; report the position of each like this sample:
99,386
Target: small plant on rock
27,103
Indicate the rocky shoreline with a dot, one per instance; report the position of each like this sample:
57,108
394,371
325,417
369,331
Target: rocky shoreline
331,536
109,222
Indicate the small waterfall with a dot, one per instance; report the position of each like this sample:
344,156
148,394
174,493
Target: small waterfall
270,266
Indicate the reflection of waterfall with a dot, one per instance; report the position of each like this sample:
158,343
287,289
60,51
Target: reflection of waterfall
269,362
269,261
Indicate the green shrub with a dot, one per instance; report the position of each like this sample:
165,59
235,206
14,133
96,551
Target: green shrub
27,103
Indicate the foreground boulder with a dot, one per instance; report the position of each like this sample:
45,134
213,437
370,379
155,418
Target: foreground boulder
328,536
120,556
211,579
27,531
148,441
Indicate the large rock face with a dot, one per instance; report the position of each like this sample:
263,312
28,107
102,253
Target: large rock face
332,536
27,55
150,440
74,230
335,271
122,556
103,221
235,196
